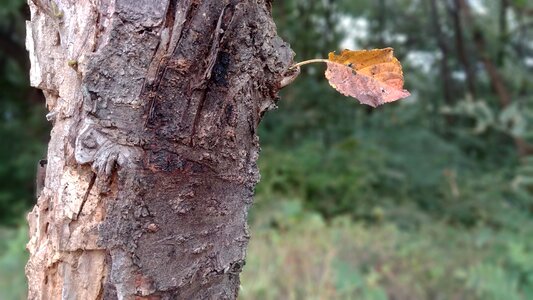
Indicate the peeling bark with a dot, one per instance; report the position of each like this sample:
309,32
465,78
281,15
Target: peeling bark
152,158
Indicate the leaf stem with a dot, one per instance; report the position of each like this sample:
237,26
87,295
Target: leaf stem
305,62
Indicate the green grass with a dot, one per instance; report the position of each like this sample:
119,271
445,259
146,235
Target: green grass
309,259
13,257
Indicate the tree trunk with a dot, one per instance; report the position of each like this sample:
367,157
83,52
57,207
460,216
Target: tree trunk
461,48
152,158
497,81
444,64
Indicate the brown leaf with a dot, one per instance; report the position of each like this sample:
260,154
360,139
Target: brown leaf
374,77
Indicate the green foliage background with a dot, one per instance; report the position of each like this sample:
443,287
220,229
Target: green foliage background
427,198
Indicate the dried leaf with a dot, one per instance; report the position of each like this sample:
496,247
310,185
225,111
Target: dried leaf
374,77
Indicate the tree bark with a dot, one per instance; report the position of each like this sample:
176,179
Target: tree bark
152,158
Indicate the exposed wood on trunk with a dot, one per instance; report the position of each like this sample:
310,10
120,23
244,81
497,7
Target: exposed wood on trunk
152,158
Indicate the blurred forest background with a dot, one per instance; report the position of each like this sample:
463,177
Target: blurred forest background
427,198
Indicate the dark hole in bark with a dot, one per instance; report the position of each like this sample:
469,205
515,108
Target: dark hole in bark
228,112
43,163
220,69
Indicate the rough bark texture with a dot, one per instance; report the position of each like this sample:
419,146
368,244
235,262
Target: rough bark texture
152,158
